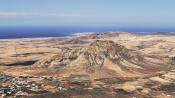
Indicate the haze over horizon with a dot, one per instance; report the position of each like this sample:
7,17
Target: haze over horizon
89,13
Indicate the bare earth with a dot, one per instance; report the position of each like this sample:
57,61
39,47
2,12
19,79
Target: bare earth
97,65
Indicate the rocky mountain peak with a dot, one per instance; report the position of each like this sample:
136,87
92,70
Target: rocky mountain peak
94,54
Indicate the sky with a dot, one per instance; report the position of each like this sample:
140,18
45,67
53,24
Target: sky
129,13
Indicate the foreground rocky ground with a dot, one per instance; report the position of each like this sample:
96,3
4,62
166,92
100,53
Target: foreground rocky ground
99,65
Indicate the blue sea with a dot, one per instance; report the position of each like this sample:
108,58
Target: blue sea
30,32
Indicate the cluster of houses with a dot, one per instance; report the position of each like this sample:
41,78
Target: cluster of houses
22,86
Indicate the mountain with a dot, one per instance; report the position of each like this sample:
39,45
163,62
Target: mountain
101,59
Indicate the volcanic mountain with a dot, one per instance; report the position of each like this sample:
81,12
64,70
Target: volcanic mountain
102,59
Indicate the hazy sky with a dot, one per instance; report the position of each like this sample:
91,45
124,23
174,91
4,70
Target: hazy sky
150,13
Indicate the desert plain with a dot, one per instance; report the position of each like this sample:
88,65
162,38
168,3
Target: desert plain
89,65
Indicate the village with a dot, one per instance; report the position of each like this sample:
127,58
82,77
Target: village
21,86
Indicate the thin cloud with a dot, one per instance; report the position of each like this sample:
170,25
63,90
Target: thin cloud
24,15
21,15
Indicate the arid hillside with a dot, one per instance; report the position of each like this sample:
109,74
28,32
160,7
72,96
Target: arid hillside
95,65
104,58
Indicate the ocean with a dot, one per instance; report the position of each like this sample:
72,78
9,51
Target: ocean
30,32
